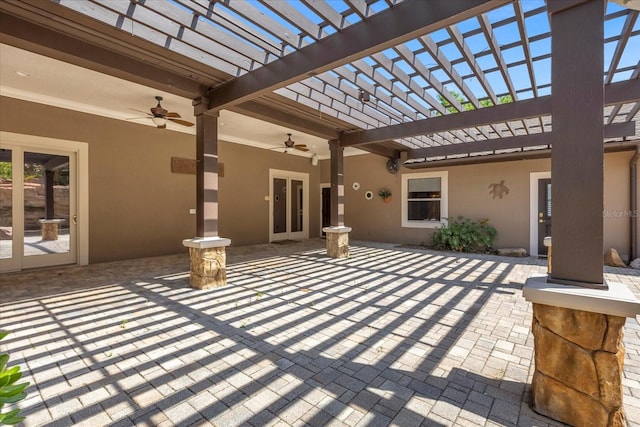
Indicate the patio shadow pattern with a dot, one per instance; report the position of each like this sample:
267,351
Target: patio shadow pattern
388,336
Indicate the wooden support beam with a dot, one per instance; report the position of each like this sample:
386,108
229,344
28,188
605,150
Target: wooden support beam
577,158
337,183
620,92
615,130
383,30
206,170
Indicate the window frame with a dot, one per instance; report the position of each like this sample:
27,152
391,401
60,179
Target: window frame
444,199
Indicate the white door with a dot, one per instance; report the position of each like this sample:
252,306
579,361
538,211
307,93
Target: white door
38,207
288,205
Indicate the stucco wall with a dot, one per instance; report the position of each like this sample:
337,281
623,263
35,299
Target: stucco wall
244,212
469,196
137,206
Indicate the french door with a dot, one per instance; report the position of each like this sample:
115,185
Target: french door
38,206
288,205
544,214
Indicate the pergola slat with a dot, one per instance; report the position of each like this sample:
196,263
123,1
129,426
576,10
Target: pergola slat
626,91
497,53
382,30
622,42
616,130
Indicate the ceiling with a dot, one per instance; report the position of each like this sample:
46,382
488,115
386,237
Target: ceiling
32,77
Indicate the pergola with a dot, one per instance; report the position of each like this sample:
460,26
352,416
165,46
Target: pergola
424,81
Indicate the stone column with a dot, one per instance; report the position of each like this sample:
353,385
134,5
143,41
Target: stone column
578,351
208,262
207,250
337,233
578,372
50,228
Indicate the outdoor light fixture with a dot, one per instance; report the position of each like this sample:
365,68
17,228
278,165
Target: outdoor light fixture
159,121
363,96
314,159
631,4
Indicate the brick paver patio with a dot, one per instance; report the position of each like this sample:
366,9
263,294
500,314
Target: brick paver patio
389,336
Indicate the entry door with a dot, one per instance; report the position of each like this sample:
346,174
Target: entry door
289,206
38,210
544,214
326,208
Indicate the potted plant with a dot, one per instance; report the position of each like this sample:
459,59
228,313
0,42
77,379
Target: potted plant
385,193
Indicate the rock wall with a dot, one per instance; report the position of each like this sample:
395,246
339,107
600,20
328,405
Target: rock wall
34,199
578,366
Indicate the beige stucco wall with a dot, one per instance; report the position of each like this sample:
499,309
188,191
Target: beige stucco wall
137,206
244,212
469,196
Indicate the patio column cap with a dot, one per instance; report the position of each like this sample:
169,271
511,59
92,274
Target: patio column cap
206,242
337,229
618,300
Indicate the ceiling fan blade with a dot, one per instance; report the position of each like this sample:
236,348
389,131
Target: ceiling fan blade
180,122
137,118
173,115
301,147
143,112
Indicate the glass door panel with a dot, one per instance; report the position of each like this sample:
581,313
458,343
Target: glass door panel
6,204
280,191
289,205
46,204
297,197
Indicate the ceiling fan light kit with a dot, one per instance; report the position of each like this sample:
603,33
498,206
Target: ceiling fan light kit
159,116
161,122
290,145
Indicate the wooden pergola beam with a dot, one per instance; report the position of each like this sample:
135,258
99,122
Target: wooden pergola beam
383,30
615,130
621,92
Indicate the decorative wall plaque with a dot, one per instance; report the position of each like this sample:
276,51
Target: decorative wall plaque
182,165
188,166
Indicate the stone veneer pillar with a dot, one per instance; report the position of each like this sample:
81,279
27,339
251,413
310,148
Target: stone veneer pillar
338,233
207,254
208,262
578,351
337,241
50,228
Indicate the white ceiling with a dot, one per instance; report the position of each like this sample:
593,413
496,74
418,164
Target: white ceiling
28,76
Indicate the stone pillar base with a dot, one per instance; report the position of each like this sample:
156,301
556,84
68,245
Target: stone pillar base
208,262
578,351
50,228
337,241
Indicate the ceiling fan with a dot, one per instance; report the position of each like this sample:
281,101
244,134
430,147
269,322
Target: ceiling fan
159,116
290,145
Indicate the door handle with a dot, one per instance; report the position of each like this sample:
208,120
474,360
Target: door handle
74,219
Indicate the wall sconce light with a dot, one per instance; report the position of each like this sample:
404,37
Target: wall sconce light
314,160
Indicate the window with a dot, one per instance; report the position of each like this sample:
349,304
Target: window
424,199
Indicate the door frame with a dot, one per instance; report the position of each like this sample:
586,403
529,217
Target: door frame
290,175
23,142
534,177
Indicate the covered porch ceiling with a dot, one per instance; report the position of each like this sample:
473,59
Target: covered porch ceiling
429,78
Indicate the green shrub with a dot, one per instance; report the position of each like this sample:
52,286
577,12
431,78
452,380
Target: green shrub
464,235
9,391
